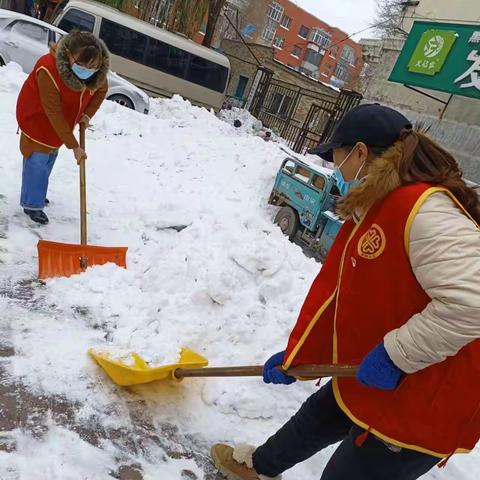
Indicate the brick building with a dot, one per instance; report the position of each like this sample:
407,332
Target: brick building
301,40
310,45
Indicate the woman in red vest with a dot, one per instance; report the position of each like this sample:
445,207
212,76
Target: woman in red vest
399,294
66,87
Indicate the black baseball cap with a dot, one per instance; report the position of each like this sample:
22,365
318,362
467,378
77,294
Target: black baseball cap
370,123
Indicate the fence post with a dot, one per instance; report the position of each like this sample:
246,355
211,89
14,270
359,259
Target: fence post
259,90
291,113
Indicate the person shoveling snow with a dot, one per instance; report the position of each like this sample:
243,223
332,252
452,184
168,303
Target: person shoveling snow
66,87
399,294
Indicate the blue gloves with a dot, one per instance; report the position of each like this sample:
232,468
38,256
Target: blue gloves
377,370
272,374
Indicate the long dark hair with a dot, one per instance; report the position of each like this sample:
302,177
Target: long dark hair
424,160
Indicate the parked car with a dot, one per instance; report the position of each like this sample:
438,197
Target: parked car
306,194
156,60
24,40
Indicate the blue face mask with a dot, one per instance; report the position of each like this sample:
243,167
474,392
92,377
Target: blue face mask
83,73
344,186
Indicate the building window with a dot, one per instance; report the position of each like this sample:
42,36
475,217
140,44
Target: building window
342,72
269,31
321,38
241,86
333,52
304,31
275,11
286,22
348,55
279,42
285,107
296,52
280,104
313,57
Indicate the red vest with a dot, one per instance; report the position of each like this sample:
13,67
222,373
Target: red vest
365,289
31,117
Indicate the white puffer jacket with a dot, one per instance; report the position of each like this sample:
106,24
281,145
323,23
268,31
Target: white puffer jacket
445,258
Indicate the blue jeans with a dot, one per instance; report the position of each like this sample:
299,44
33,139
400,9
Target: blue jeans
36,172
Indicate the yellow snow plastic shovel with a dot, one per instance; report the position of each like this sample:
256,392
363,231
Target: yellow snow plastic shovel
192,364
140,371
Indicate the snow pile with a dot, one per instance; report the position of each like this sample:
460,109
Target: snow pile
207,269
132,359
12,78
249,123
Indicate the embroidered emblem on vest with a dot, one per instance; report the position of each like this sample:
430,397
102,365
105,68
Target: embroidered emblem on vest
372,244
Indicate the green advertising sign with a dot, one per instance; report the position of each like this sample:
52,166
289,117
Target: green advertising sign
441,56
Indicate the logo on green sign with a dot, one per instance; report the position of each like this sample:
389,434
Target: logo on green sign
432,51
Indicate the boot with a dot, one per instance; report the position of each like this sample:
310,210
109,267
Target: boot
236,463
37,216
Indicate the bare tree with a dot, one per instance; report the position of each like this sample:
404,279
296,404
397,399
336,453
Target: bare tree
186,16
214,9
389,17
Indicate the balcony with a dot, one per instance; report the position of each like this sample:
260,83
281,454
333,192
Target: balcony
312,60
319,38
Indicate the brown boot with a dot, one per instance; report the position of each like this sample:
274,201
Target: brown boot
222,456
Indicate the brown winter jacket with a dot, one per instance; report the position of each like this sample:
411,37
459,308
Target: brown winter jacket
52,103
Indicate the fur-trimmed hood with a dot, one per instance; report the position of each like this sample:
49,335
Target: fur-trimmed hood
61,52
383,177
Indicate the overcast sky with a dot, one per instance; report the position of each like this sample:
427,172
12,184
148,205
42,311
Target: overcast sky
348,15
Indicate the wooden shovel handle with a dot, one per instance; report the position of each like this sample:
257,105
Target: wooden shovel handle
303,371
83,192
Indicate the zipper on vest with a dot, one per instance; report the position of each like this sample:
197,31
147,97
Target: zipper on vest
339,285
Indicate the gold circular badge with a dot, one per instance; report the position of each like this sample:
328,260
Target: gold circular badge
372,244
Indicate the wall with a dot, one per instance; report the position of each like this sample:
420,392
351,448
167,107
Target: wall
242,13
447,10
460,140
378,88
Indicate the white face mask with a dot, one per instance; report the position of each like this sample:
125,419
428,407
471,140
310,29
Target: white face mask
344,186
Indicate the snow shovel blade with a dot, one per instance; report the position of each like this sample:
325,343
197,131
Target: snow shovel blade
65,259
125,374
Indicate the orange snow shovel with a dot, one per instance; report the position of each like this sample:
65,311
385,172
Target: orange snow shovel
136,370
64,259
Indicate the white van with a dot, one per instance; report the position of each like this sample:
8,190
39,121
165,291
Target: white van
159,62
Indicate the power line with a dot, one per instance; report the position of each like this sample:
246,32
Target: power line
242,39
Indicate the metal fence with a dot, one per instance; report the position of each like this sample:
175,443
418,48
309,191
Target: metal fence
302,117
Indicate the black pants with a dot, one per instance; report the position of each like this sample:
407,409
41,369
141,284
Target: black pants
319,423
